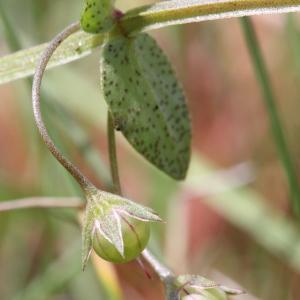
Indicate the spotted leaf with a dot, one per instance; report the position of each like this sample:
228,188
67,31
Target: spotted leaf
147,102
97,16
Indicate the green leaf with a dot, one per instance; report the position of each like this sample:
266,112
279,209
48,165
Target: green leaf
174,12
194,297
212,294
96,16
87,233
139,212
204,288
196,282
22,64
127,207
147,102
231,291
109,226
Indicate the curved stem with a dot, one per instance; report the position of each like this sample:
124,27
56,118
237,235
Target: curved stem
163,272
36,89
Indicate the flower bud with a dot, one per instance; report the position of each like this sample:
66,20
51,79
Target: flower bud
97,16
116,228
135,234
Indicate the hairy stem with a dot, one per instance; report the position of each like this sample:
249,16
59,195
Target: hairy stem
165,275
36,90
113,154
163,272
41,202
270,103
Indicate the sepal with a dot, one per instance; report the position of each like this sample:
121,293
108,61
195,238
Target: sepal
201,288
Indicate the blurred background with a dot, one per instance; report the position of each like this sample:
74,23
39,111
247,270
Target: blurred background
230,220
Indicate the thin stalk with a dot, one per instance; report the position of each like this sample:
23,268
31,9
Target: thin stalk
163,272
113,160
41,202
36,89
270,104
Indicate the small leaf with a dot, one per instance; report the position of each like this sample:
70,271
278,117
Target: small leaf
97,16
140,212
147,102
194,297
231,291
214,294
87,233
203,289
196,282
109,226
211,294
131,208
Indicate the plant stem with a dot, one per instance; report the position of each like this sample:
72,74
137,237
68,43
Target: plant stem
165,275
36,89
163,272
113,160
41,202
270,103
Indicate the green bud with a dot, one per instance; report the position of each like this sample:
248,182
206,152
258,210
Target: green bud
97,16
116,228
135,234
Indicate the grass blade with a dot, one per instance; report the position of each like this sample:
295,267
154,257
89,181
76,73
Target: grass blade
22,63
270,103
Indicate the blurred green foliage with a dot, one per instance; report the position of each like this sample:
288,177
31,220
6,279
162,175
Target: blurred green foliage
246,233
